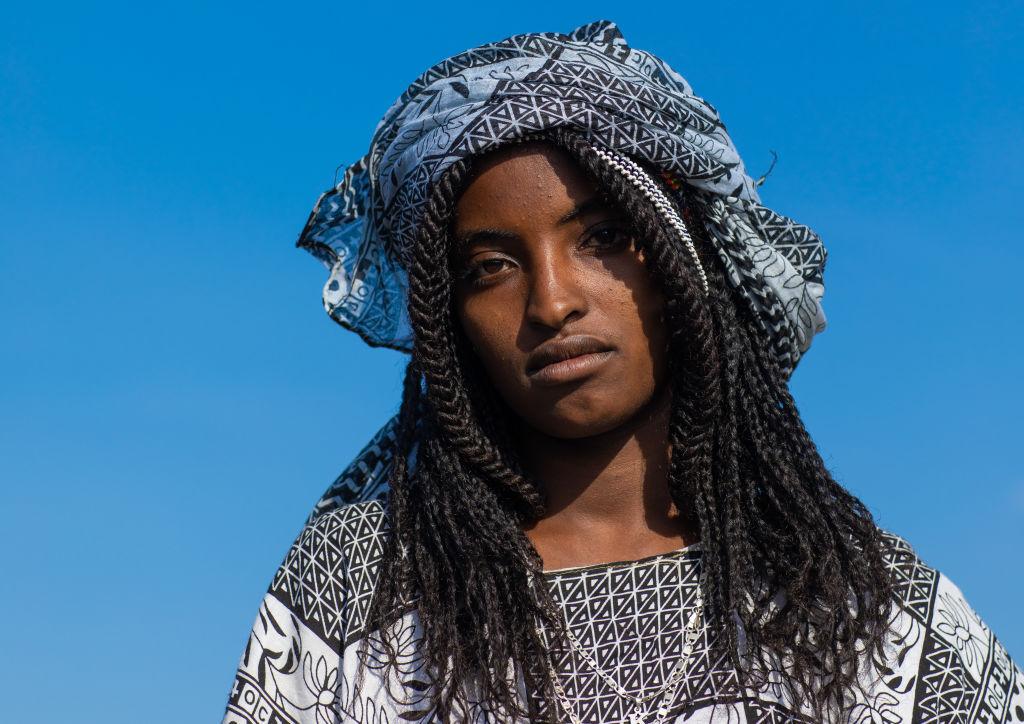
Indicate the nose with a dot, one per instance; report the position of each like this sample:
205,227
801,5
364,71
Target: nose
556,293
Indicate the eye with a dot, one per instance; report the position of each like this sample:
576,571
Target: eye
609,238
483,268
492,266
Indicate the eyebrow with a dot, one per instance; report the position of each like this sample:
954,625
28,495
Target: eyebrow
589,206
594,203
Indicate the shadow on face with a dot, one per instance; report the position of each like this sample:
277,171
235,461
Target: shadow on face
553,295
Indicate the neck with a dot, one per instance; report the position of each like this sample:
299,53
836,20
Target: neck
607,495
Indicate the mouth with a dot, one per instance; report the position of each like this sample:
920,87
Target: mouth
567,360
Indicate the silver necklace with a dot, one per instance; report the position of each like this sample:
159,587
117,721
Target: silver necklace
641,710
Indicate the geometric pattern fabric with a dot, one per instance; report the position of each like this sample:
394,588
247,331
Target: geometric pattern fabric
303,653
591,81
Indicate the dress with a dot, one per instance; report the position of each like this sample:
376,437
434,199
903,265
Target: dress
301,657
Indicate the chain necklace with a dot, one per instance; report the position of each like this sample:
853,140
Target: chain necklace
641,711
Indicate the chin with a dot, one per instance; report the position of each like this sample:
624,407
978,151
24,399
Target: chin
573,422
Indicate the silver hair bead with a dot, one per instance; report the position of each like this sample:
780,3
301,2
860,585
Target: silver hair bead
636,175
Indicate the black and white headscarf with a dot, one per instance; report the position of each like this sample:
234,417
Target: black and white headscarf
625,101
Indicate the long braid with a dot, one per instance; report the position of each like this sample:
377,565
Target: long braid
430,313
824,546
458,513
742,466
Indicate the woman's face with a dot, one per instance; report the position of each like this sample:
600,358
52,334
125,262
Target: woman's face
553,295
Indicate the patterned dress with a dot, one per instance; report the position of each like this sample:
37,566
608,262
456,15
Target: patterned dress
301,658
303,653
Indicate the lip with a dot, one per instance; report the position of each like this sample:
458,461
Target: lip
567,359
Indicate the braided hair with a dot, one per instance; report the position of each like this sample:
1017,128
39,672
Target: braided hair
770,515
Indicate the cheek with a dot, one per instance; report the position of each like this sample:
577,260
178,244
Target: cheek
491,331
639,310
652,324
647,347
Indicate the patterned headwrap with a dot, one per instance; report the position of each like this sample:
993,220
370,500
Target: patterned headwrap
626,102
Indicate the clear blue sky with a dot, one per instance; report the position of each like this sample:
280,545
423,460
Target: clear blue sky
174,399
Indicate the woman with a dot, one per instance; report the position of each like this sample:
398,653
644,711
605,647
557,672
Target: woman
598,502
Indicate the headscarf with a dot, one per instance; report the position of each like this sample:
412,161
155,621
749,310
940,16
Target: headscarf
622,99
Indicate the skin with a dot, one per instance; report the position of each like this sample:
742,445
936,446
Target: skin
540,257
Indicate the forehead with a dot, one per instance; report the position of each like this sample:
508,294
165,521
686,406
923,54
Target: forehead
531,181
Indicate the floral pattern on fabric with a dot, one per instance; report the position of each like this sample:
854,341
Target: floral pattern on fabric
305,649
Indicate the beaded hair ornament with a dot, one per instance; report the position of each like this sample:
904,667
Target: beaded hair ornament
633,173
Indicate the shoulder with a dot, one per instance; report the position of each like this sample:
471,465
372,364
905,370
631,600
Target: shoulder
914,580
330,572
366,477
292,669
951,662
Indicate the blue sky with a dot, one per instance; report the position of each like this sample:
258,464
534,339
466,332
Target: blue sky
174,398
